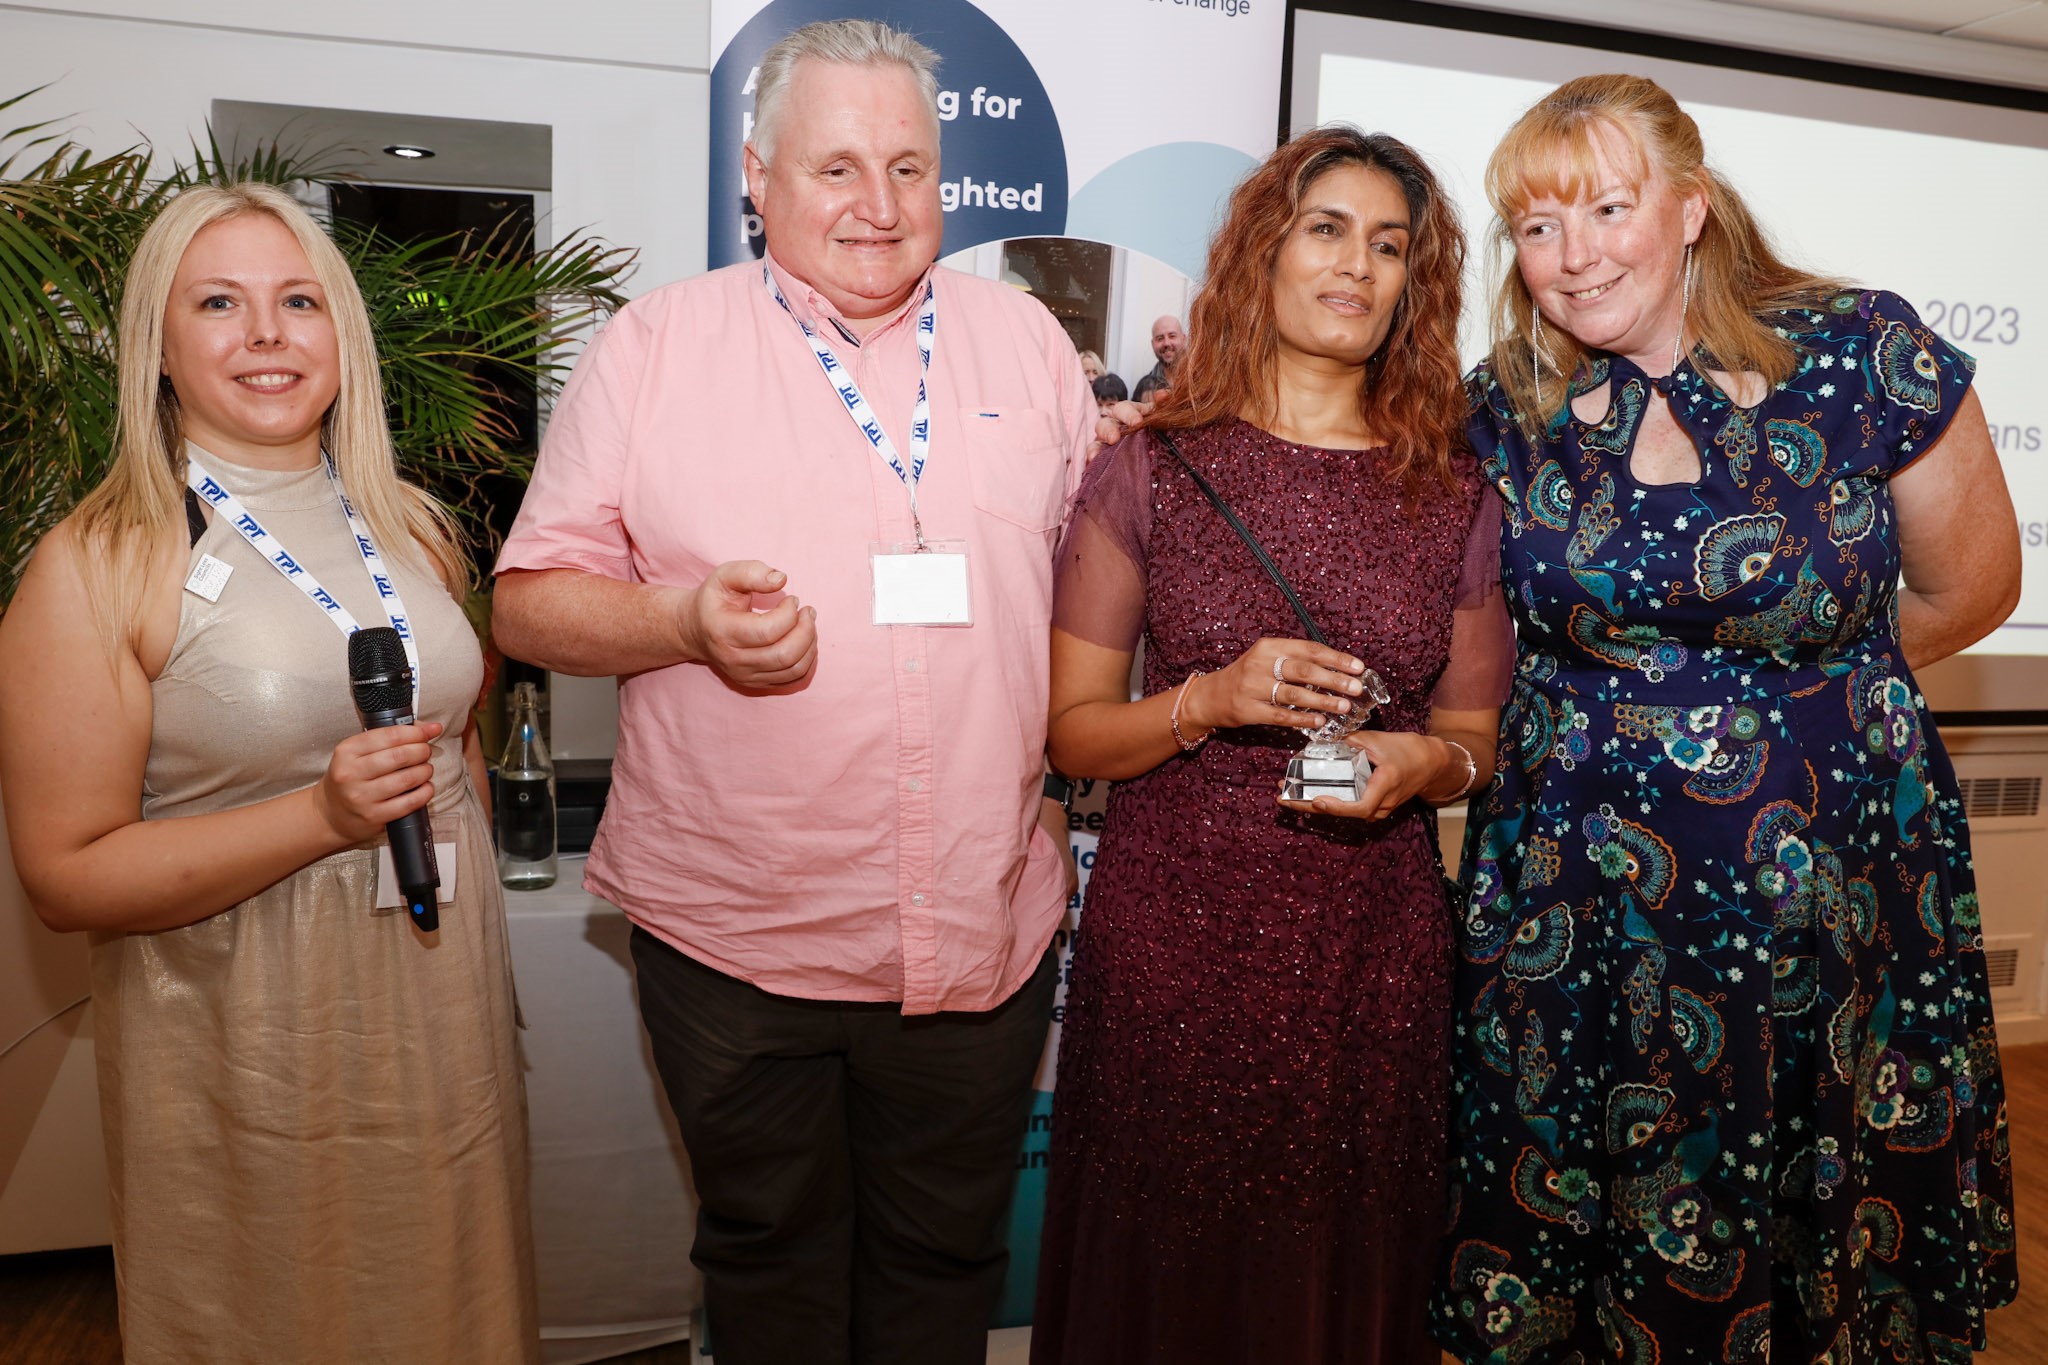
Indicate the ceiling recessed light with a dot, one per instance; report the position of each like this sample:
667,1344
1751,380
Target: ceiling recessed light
408,152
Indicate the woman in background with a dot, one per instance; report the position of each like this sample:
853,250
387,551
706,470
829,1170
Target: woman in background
1248,1127
1728,1088
315,1124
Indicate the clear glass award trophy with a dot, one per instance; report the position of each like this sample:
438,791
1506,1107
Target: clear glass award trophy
1327,766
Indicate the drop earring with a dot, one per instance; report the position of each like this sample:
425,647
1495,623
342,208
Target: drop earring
1684,306
1536,349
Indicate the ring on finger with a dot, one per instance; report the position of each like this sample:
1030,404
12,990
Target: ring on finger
1274,697
1279,662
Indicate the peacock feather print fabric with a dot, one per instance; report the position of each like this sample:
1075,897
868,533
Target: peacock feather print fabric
1726,1080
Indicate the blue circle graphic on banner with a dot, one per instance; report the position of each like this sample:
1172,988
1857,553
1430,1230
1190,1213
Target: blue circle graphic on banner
1002,160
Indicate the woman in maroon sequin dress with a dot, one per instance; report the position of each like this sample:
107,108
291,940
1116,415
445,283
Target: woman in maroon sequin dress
1247,1157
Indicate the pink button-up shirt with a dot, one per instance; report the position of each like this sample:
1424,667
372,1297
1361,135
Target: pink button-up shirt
870,834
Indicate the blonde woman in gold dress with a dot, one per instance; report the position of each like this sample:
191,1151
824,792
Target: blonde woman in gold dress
315,1125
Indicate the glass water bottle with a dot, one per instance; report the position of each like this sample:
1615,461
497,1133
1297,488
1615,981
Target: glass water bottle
526,799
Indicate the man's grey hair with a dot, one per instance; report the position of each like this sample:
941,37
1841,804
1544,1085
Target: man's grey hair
848,42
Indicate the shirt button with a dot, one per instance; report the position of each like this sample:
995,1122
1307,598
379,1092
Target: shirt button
917,898
910,665
915,784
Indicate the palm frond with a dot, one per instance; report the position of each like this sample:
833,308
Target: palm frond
267,162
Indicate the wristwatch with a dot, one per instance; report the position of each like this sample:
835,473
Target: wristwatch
1060,789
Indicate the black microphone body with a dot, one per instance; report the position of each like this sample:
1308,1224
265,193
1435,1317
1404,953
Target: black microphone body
380,679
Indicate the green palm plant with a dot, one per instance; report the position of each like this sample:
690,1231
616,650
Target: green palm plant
450,314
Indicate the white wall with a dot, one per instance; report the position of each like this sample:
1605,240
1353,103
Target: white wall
659,34
53,1166
627,99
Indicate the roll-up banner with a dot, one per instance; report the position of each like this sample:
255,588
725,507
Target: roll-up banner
1085,153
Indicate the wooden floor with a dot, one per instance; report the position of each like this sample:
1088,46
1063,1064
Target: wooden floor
57,1308
2019,1333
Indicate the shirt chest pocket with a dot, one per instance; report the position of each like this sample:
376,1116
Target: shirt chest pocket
1016,465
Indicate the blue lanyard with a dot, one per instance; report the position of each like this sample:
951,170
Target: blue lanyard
298,575
856,402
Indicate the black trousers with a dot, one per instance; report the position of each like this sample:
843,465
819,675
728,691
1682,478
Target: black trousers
852,1165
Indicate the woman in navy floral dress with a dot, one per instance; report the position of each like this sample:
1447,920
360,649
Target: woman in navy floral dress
1727,1087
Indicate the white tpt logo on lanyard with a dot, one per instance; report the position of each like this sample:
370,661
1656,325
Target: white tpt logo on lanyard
923,583
236,515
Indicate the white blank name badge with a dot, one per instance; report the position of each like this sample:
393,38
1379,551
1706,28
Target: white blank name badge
925,587
446,863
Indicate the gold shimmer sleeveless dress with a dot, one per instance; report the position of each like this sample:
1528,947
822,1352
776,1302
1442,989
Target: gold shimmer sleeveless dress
315,1121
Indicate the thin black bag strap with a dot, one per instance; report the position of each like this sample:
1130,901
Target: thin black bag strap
195,517
1251,541
1454,891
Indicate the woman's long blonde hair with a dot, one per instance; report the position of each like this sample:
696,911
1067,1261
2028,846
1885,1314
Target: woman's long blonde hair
1738,277
126,522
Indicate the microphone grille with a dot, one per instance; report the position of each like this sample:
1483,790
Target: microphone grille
377,670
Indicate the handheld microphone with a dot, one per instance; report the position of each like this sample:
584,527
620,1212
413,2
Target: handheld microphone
381,680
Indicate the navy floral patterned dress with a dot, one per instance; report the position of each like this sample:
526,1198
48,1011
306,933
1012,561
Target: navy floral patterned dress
1726,1084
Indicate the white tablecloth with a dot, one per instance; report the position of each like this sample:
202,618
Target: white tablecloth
613,1210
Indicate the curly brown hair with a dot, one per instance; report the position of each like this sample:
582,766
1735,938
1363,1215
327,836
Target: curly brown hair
1410,394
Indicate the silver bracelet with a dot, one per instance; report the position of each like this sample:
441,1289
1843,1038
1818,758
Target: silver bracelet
1471,770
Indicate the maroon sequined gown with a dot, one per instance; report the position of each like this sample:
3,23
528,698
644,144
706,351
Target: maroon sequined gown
1247,1149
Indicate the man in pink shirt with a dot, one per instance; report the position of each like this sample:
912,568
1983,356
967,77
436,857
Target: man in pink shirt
825,818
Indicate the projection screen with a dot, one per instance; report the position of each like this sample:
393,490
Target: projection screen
1940,200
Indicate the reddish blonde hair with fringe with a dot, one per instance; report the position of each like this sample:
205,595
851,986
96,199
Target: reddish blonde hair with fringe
1740,280
1410,394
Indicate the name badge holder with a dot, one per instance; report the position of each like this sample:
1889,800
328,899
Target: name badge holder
920,585
447,862
920,582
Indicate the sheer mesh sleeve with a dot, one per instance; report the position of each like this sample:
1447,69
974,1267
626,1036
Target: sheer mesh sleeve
1099,576
1482,633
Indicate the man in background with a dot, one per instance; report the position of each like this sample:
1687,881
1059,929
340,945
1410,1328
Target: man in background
1169,342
